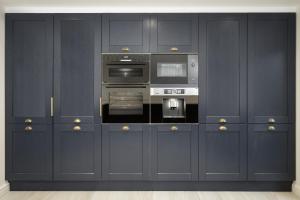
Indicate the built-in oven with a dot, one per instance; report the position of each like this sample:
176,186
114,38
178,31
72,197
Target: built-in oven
174,69
126,68
125,103
174,105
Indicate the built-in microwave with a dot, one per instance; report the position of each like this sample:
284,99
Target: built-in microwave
174,69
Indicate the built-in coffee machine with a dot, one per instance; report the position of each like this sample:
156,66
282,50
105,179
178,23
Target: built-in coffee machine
174,88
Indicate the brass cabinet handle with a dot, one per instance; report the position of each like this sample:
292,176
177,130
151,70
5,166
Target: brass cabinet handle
125,128
28,121
222,121
125,49
77,121
271,120
76,128
174,128
174,49
222,128
271,128
52,108
100,107
28,128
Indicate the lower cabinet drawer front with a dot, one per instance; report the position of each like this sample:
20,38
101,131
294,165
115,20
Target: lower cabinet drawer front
125,152
29,154
269,152
174,152
77,152
223,152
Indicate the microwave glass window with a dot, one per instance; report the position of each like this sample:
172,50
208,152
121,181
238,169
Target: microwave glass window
125,72
171,70
126,103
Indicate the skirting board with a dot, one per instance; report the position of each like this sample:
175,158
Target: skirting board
150,186
4,189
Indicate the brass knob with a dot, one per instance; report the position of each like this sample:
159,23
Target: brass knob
28,121
28,128
76,128
174,49
125,128
222,121
271,120
174,128
222,128
77,121
271,128
125,49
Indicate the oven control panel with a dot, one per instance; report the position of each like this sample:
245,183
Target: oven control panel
174,91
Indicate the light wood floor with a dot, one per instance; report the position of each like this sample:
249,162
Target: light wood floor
149,196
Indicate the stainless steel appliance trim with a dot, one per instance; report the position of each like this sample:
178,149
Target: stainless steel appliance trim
187,92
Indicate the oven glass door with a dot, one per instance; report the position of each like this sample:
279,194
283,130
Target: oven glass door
169,69
125,104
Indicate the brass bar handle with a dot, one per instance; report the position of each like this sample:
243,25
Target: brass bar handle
125,49
28,121
125,128
52,108
28,128
77,121
222,121
271,120
76,128
174,128
222,128
174,49
271,128
100,106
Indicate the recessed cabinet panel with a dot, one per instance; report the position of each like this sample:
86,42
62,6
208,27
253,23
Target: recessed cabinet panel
269,152
223,72
271,68
30,155
29,59
126,33
77,152
174,152
223,152
77,68
174,33
125,152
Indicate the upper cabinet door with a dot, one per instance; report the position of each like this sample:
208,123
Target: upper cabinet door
29,62
271,68
223,68
125,33
77,42
174,33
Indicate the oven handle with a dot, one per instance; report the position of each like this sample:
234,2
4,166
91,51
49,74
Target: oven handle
125,86
125,60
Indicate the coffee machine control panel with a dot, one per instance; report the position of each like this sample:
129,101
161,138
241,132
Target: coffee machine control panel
174,91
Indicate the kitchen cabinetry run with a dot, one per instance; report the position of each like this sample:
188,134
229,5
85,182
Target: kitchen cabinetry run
223,68
174,152
223,152
125,151
77,85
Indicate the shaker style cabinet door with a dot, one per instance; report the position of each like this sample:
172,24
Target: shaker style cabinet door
29,65
77,152
174,152
223,152
269,152
223,68
125,33
174,33
125,152
271,63
77,42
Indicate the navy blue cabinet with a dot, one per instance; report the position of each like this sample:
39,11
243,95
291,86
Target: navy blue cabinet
174,153
223,68
77,152
174,33
271,68
29,59
125,152
223,152
269,152
77,53
125,33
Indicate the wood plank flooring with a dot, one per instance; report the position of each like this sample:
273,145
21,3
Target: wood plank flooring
139,195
